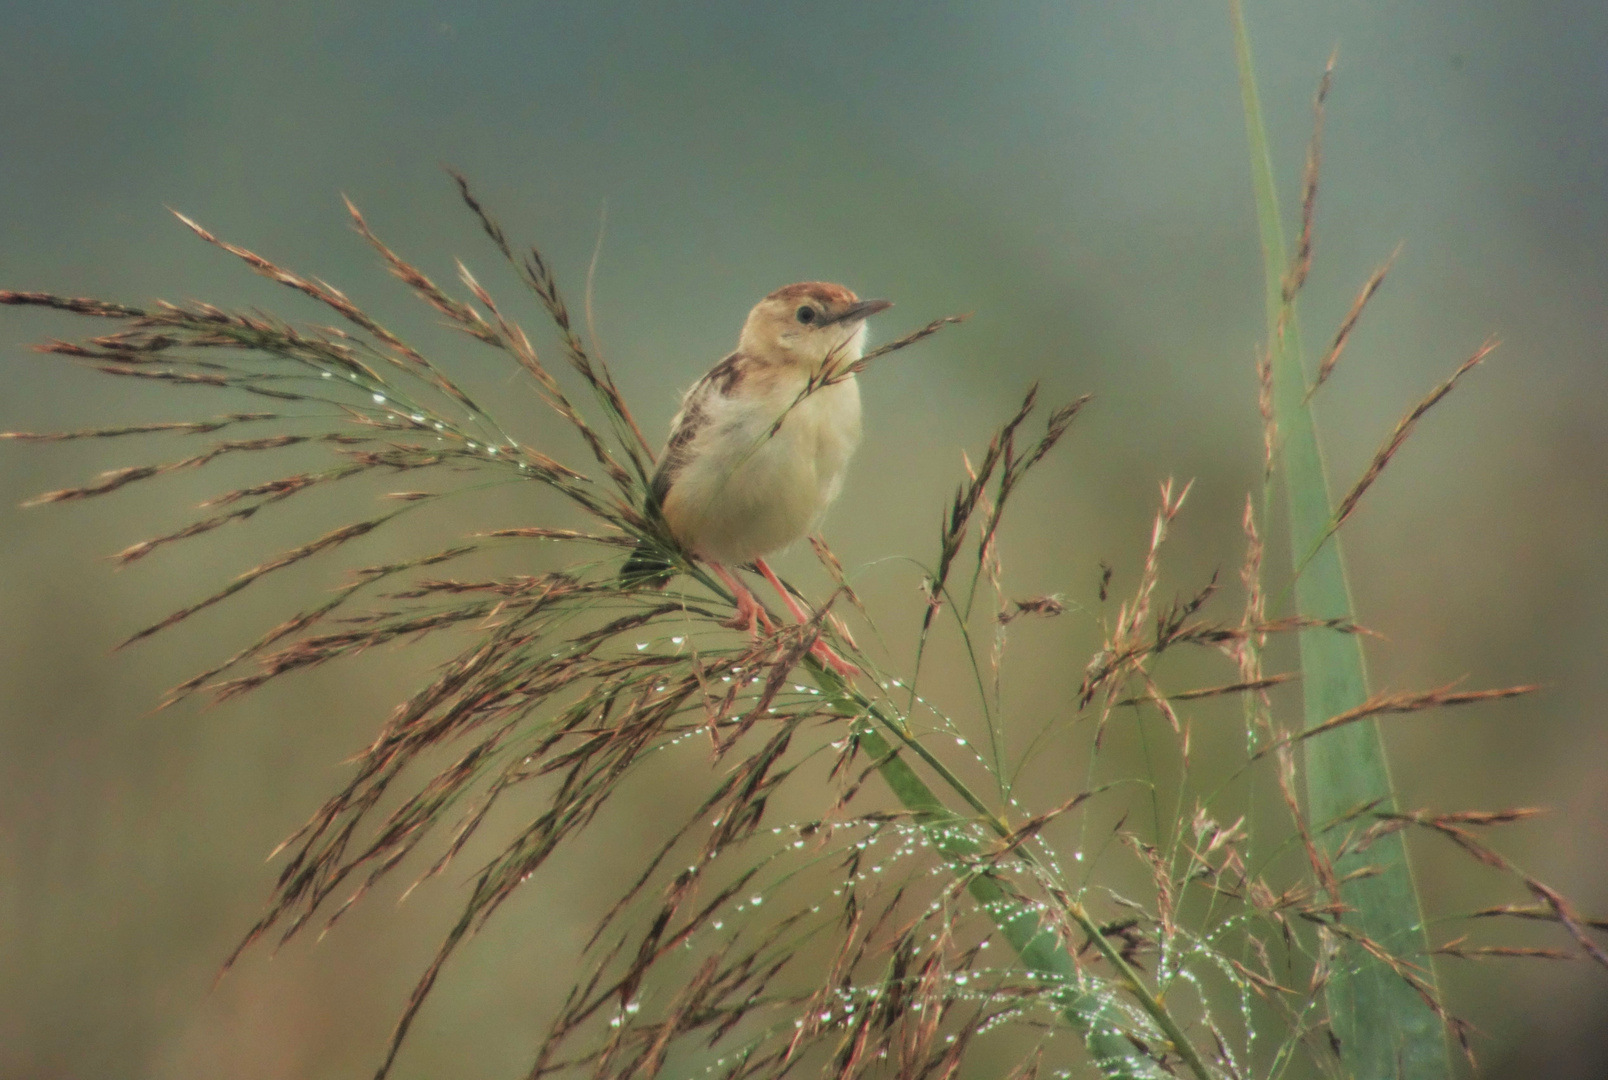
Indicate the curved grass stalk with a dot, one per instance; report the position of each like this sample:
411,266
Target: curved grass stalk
1096,1018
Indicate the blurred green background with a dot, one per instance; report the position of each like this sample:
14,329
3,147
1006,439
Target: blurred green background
1072,173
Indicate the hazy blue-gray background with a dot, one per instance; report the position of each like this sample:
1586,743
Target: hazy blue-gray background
1074,173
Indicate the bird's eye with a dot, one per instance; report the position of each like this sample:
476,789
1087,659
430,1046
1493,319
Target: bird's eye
805,315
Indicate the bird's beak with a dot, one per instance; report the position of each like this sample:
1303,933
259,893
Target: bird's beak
864,309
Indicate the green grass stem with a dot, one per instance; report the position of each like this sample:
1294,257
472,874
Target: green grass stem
1096,1017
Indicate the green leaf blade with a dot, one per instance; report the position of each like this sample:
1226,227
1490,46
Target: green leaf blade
1386,1028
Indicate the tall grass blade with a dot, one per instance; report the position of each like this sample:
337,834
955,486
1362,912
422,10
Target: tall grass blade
1385,1027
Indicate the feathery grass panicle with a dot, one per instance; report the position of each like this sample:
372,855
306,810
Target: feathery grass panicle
1398,437
1301,265
1326,366
914,914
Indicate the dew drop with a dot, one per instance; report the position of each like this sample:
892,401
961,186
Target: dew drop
677,640
379,399
326,375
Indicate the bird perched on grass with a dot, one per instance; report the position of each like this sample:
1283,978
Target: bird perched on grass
762,441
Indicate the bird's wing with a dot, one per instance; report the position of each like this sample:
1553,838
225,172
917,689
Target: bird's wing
694,417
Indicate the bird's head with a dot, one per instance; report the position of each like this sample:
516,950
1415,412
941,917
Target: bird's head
808,322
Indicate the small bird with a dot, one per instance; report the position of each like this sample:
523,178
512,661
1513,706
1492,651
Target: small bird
762,441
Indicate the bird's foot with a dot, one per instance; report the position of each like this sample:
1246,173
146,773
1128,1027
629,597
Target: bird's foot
745,618
750,614
820,650
828,656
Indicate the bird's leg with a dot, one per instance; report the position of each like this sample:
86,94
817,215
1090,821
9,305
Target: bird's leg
823,652
750,615
781,590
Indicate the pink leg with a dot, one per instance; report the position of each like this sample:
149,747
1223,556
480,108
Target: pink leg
823,652
750,615
781,590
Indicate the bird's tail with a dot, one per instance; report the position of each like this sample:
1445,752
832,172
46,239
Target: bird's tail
647,565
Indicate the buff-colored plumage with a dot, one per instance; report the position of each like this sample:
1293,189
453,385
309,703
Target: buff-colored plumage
733,486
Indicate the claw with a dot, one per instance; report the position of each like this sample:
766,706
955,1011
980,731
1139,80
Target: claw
750,614
747,614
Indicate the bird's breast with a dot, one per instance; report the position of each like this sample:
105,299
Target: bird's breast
746,491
